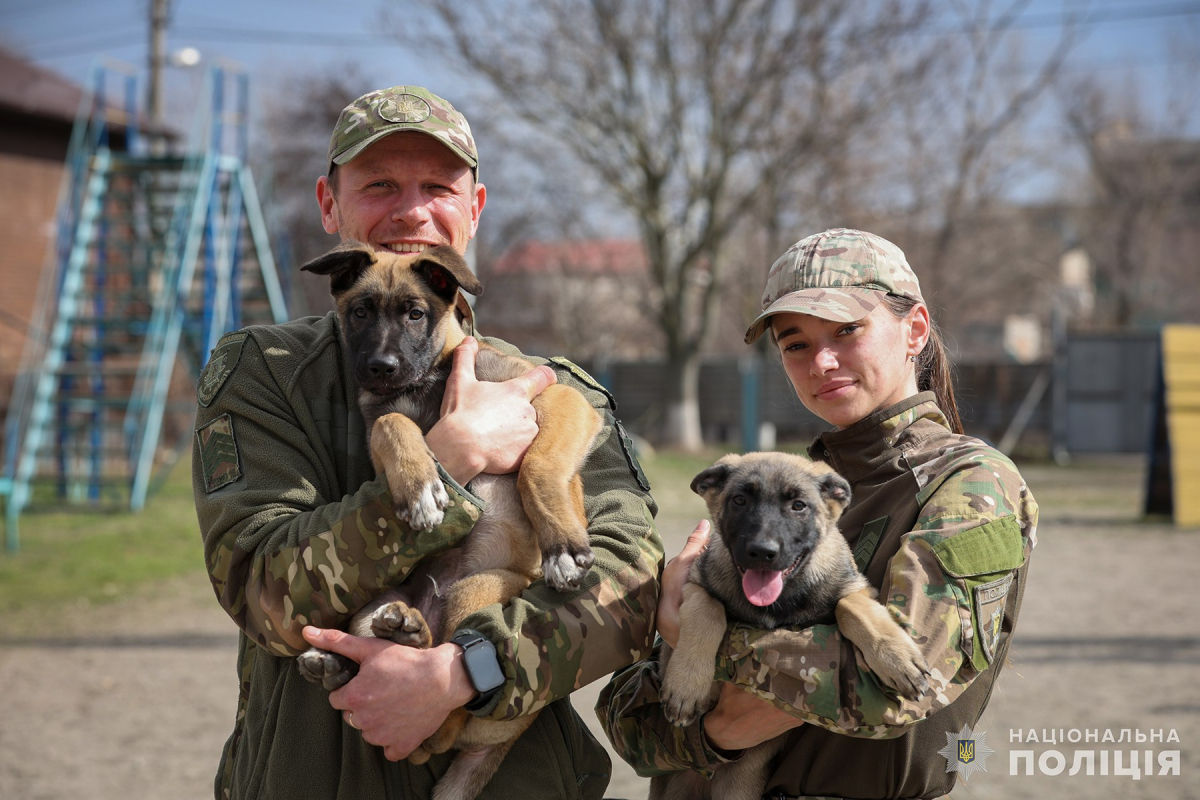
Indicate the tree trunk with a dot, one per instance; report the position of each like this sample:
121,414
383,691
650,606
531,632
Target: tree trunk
681,425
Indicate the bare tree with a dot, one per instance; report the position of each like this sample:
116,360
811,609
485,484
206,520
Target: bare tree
1143,204
297,122
681,110
960,141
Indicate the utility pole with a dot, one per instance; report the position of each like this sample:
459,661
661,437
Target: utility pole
158,63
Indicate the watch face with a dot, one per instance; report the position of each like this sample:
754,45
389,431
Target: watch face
482,666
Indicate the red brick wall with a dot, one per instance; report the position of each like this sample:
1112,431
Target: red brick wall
26,225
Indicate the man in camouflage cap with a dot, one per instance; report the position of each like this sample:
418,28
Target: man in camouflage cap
300,532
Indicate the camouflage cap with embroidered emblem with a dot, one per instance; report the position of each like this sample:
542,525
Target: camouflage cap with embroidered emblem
401,108
839,275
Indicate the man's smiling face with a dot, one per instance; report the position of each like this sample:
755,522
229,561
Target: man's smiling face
406,193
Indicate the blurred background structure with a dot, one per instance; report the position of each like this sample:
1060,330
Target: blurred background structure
646,160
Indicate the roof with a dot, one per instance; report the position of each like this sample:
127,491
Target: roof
30,89
587,257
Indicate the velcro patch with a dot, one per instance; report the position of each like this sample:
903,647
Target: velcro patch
220,366
218,453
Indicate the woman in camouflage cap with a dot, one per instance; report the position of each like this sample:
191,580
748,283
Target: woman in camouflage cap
939,522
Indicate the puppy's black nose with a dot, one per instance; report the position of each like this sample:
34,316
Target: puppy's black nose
383,366
762,552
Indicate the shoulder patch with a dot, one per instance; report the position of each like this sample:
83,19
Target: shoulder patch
218,453
989,613
581,375
220,366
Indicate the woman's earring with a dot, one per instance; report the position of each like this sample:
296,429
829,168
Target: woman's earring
912,358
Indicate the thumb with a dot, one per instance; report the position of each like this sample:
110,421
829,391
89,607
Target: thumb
697,541
537,379
356,648
462,371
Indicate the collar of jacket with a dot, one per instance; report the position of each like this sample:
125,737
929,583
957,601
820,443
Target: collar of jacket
855,451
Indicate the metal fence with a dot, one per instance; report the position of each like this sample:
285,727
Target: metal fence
1096,398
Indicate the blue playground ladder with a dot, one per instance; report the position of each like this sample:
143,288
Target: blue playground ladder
157,256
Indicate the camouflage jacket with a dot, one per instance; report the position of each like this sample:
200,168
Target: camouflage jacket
299,530
943,526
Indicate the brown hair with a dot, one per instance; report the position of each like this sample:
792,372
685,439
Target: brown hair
933,365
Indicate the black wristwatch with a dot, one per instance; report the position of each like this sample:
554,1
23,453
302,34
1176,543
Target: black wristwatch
483,667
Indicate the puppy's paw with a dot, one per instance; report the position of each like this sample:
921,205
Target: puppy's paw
900,665
426,510
682,704
564,568
331,670
419,756
401,624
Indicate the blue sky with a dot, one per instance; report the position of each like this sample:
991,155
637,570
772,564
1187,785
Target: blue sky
272,38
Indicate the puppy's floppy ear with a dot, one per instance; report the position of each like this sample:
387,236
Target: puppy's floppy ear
712,479
836,492
445,271
345,264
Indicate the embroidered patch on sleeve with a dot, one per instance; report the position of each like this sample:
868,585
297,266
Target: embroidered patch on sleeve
989,613
218,453
219,367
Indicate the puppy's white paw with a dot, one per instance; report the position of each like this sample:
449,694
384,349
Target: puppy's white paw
565,570
426,511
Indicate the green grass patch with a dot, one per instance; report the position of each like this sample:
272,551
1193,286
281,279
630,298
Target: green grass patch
80,556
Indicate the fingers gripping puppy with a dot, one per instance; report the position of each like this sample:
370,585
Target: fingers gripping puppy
776,558
399,316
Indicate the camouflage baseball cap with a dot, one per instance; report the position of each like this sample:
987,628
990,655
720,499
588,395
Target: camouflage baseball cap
401,108
839,275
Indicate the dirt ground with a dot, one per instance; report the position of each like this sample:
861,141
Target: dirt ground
134,700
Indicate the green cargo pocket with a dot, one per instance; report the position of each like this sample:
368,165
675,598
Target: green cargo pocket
981,563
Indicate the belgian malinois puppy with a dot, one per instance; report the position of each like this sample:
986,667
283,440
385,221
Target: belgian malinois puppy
775,558
400,322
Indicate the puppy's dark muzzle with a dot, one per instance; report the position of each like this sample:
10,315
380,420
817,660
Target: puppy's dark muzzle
383,375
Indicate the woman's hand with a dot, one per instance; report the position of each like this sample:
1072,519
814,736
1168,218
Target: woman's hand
675,575
741,720
485,426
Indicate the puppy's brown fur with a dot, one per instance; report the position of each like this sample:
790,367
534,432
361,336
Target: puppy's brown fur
775,514
400,317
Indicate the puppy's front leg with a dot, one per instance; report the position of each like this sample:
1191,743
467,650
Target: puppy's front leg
688,679
550,488
398,449
889,651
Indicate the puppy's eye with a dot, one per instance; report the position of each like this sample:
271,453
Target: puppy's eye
360,312
739,499
798,505
416,314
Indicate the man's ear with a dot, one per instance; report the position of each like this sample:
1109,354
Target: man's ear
445,271
344,265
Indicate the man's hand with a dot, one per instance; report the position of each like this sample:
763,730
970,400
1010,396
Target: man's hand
485,426
401,695
741,720
675,576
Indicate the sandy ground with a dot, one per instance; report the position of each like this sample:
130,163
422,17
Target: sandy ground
134,700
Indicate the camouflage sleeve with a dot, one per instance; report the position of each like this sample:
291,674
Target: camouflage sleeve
551,643
283,547
977,525
629,708
951,575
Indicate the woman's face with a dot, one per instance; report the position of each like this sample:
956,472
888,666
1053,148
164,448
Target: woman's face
844,371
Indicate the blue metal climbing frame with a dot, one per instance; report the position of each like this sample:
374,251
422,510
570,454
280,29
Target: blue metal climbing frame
156,256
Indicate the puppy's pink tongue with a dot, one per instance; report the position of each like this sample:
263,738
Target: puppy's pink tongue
762,586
